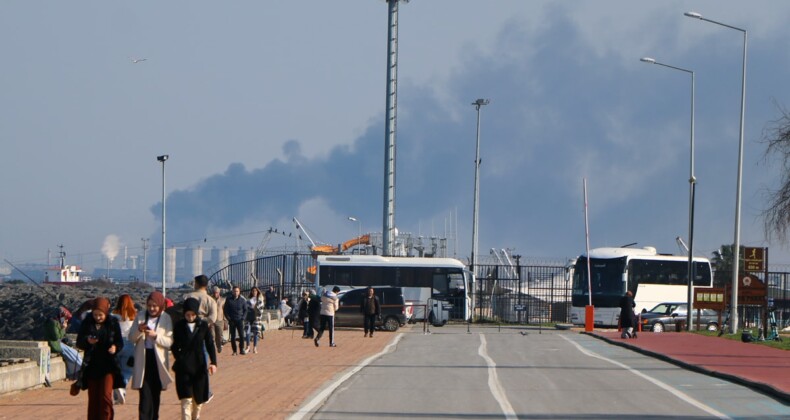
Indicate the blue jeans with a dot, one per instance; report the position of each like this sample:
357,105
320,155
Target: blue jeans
123,359
72,359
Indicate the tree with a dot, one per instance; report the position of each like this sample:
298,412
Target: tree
722,265
776,135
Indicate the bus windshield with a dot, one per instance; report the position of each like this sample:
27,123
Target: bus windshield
607,276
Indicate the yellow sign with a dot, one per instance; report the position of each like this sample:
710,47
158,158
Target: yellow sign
753,259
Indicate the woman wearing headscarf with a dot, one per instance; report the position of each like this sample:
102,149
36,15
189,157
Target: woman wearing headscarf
55,334
152,336
100,338
192,339
125,313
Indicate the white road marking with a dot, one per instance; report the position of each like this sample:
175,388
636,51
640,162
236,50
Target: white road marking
311,405
704,407
493,382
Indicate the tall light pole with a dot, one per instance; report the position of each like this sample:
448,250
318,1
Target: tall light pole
692,192
162,159
479,103
736,247
359,238
145,258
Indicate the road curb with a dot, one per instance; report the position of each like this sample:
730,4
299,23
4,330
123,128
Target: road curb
757,386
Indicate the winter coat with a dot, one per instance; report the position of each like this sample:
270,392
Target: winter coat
314,310
235,309
164,340
365,306
329,303
98,360
53,333
627,312
208,306
255,313
190,367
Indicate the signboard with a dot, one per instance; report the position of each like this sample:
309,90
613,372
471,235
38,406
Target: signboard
753,259
710,298
520,308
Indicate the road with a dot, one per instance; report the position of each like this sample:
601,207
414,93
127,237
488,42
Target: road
517,373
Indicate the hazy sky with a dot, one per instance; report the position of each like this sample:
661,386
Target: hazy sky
274,109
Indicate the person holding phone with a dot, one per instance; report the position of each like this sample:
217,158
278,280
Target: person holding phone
152,335
101,340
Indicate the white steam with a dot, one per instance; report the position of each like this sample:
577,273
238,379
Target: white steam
112,244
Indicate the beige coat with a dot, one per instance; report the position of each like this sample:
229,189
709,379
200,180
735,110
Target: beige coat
164,339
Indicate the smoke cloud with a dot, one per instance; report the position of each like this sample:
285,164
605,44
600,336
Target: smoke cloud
112,244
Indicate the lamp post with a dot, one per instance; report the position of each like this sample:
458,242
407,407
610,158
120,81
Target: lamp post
145,258
359,238
736,247
162,159
692,193
479,103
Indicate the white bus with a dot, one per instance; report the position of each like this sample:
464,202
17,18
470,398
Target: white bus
447,278
653,278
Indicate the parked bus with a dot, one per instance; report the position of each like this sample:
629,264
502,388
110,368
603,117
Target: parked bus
653,278
448,279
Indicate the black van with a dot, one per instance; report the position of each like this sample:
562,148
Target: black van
393,308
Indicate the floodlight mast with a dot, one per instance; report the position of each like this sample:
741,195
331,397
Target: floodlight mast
390,128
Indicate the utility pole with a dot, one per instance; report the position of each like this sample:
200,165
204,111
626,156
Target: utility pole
145,258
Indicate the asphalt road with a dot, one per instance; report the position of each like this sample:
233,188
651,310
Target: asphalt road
491,374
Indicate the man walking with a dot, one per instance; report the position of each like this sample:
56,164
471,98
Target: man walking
371,310
329,304
219,324
271,298
235,314
208,306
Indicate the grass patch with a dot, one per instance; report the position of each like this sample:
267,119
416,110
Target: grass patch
783,345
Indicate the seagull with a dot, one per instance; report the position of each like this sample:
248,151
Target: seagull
137,60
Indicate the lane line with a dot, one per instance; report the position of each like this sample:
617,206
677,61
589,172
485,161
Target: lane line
681,395
311,405
493,381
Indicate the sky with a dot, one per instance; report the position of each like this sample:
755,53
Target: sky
273,110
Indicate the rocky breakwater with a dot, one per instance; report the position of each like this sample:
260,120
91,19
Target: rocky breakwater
25,307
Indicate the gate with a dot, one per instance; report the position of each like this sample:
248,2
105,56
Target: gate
522,294
288,273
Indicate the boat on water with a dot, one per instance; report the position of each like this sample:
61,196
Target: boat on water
63,274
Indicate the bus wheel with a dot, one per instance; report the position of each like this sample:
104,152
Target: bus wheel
391,324
658,327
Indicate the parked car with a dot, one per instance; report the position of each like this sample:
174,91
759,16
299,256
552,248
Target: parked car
393,308
665,315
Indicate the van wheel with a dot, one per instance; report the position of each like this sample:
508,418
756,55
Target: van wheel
391,324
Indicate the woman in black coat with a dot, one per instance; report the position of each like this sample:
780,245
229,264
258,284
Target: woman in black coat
192,340
627,315
101,340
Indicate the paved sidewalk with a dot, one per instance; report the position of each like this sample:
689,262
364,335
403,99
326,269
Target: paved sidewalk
271,384
759,367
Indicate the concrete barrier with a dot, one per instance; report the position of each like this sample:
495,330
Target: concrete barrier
37,351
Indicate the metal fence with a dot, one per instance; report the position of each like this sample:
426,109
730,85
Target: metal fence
521,294
288,273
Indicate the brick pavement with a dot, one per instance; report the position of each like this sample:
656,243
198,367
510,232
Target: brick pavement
270,384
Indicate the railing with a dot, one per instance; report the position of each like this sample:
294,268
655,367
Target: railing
287,273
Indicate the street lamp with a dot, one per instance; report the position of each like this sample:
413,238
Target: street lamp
162,159
476,207
692,193
145,258
359,238
736,247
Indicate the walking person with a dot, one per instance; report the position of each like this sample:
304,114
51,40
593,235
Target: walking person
59,343
271,298
285,311
100,339
314,313
627,315
255,315
219,323
152,335
371,310
329,304
125,313
304,304
235,313
192,336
